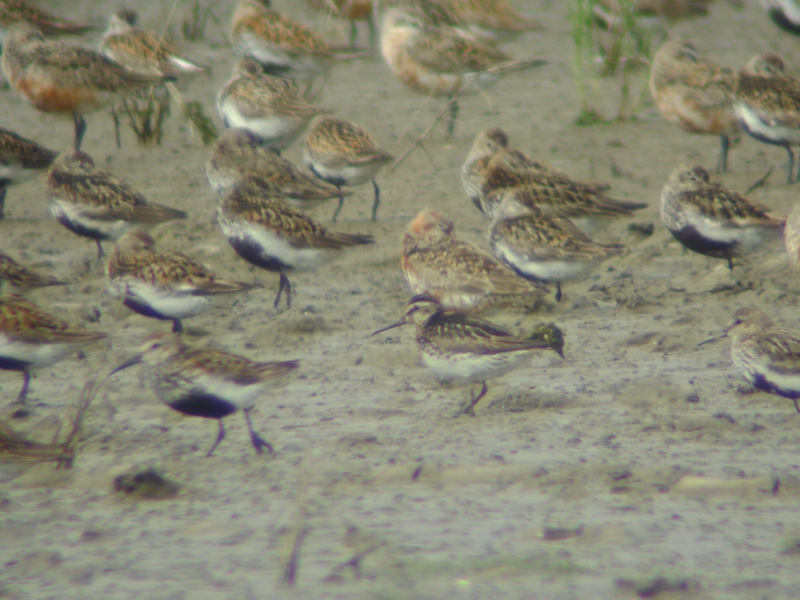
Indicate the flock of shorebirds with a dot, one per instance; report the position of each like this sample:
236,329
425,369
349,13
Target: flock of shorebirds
537,214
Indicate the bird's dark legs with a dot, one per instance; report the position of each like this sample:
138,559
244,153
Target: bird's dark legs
796,407
377,200
2,203
100,252
258,441
341,204
177,326
558,291
23,393
469,410
730,263
284,284
220,437
725,144
452,103
80,129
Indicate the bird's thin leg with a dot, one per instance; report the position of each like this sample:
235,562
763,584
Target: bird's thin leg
100,252
177,326
470,410
558,291
796,407
2,203
341,204
258,441
80,129
730,263
117,133
284,284
23,393
220,437
452,103
725,144
377,200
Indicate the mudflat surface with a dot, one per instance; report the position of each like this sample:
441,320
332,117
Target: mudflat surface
637,457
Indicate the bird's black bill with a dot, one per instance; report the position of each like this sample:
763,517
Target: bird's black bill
134,360
388,327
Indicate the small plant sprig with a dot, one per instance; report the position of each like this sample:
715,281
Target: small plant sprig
615,39
194,28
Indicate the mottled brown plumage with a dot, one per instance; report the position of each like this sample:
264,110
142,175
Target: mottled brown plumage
544,248
555,194
30,338
454,272
208,382
19,276
25,11
768,104
143,51
164,285
343,153
695,94
766,355
94,203
283,46
455,345
440,61
20,159
65,79
710,219
240,158
271,234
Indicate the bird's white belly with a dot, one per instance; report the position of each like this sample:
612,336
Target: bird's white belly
33,354
274,247
776,133
473,367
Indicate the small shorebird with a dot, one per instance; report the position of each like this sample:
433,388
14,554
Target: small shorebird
270,234
30,338
768,104
695,94
24,11
350,10
143,51
543,248
440,61
557,195
19,276
284,47
492,20
455,345
163,285
97,205
240,158
271,107
20,159
65,79
767,356
491,164
454,272
208,382
342,153
710,219
784,13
